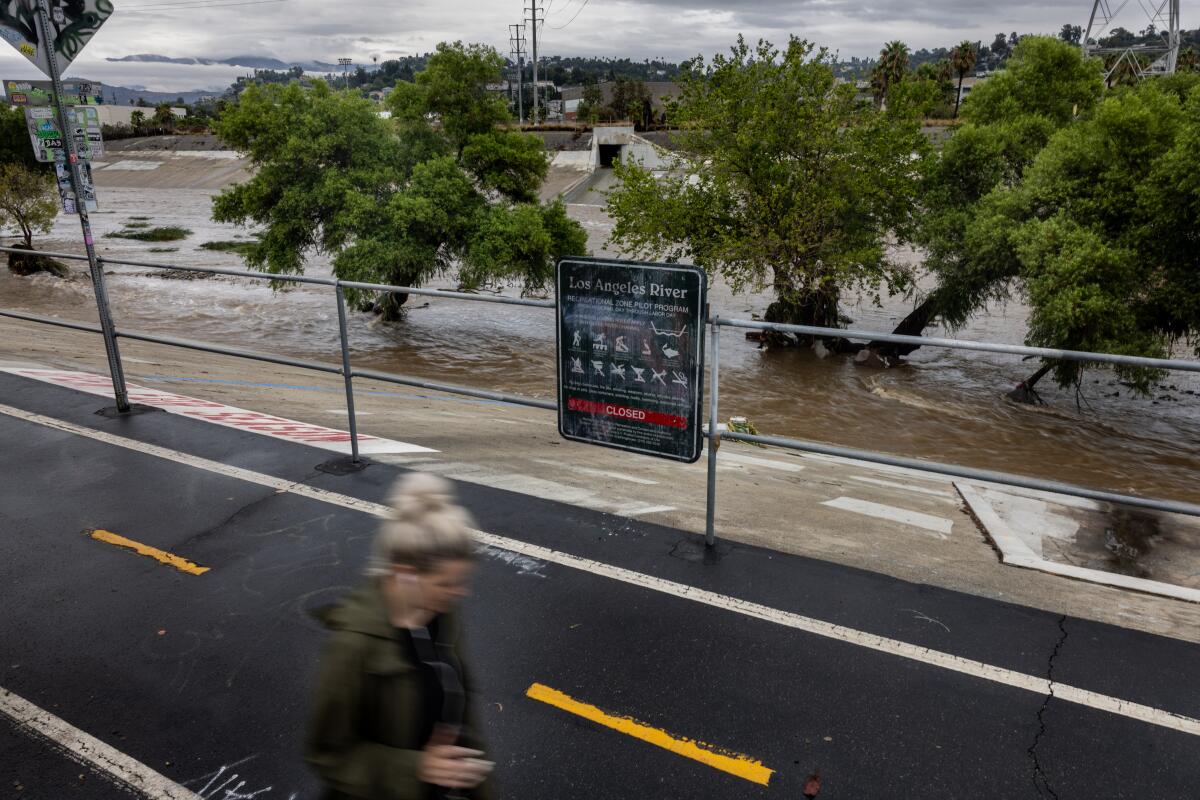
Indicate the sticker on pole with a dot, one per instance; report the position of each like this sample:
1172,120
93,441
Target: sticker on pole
66,189
47,139
631,355
40,93
72,25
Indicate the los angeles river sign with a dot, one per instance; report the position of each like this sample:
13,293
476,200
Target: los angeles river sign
631,355
73,25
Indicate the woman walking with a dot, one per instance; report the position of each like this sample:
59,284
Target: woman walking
389,718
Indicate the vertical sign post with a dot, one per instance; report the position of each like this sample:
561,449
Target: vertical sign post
631,355
77,22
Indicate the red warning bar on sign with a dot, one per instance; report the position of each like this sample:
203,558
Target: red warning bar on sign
627,413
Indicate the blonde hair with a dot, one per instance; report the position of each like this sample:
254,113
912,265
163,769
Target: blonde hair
425,526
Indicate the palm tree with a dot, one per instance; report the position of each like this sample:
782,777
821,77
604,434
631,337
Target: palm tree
893,64
962,61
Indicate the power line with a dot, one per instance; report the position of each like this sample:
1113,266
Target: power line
572,19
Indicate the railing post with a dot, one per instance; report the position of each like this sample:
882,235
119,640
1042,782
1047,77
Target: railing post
115,369
714,437
347,375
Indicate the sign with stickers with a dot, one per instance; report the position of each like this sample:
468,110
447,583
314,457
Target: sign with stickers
38,93
631,355
72,25
47,140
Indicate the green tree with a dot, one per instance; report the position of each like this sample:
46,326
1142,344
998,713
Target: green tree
630,101
962,61
14,139
163,117
440,187
889,70
1189,61
1008,119
1071,34
137,120
28,201
1102,230
784,181
591,103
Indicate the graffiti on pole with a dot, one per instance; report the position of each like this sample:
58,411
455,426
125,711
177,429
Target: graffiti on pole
73,24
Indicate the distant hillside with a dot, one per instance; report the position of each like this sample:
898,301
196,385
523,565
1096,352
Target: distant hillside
124,96
248,61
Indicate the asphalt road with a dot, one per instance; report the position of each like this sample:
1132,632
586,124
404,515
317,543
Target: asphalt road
204,678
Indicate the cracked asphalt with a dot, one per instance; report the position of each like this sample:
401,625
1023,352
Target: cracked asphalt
205,678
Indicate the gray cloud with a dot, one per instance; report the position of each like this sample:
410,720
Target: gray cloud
673,29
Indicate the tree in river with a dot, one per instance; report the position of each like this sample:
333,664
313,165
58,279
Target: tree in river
1008,120
962,61
1102,231
784,181
28,201
440,187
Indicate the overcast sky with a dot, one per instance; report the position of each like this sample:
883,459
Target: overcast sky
672,29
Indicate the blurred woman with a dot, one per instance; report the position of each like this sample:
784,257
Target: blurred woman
389,718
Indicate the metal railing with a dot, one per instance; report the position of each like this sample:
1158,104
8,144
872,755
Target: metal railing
714,432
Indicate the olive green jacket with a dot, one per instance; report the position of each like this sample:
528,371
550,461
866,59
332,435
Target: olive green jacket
363,730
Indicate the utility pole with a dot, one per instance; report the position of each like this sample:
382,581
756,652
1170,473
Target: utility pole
516,40
345,62
534,20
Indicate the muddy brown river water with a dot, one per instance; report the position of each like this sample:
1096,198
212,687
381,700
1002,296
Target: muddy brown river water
943,405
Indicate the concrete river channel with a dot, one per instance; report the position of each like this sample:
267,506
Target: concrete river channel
945,405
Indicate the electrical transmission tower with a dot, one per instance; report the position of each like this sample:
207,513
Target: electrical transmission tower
536,16
1158,57
516,43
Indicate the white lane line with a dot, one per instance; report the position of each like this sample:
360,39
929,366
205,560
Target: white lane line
937,525
90,751
738,458
871,641
908,487
598,473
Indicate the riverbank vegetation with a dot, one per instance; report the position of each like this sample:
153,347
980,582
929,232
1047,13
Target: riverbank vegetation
784,180
440,187
1081,199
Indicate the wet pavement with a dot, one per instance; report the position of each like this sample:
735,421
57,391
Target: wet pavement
883,687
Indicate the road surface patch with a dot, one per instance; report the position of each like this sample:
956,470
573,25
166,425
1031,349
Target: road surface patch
744,767
161,556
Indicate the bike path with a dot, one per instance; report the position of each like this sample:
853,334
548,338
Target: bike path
209,673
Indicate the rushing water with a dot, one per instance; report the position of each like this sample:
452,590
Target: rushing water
945,405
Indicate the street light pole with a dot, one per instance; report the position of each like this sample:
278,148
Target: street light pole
345,62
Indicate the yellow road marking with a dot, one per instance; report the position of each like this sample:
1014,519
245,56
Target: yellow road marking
162,556
733,763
